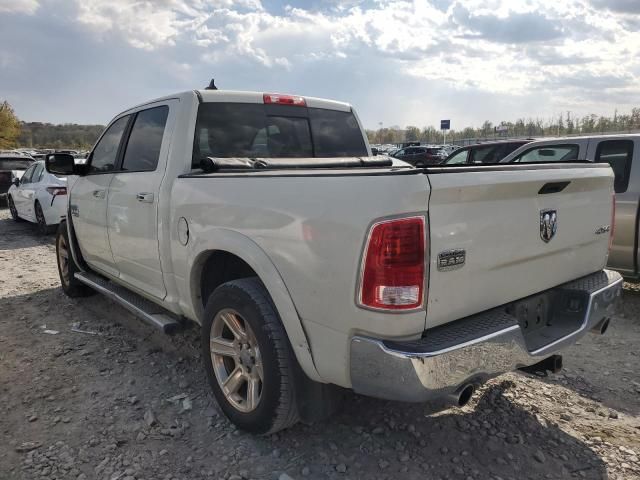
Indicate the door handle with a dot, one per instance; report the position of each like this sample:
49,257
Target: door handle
98,193
144,197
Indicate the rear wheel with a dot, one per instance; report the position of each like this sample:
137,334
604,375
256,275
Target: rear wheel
13,210
67,266
43,228
248,359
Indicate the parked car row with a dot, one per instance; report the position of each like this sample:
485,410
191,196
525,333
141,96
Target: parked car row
32,193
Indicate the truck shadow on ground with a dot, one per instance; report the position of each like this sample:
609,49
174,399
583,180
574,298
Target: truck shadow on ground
603,368
492,437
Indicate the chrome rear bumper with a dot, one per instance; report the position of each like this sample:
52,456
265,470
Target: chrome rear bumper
476,348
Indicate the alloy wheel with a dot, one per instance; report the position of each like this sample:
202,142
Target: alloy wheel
236,360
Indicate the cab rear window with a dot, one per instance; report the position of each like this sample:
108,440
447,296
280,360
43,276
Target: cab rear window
227,130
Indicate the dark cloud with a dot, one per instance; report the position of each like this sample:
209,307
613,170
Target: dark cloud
620,6
516,28
442,5
587,81
553,56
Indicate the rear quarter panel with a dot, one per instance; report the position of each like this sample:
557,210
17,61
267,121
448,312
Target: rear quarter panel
312,228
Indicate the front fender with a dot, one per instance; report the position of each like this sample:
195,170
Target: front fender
218,239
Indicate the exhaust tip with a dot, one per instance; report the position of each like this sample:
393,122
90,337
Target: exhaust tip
465,395
601,327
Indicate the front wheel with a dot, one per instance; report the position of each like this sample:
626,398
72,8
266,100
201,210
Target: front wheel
248,359
67,266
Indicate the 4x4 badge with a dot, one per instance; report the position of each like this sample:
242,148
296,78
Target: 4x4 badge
548,224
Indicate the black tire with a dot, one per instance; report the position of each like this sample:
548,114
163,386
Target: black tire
12,209
70,285
277,408
41,221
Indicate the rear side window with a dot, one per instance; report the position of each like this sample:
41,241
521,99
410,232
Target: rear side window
104,156
618,154
251,130
26,178
37,173
550,153
145,140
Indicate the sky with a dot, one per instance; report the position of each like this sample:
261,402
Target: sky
397,62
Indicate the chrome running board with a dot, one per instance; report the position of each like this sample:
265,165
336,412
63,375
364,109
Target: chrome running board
142,308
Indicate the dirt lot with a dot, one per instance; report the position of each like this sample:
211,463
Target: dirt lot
116,400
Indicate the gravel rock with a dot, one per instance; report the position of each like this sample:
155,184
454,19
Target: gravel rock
150,418
539,456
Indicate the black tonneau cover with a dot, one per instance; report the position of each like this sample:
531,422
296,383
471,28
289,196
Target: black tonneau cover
211,164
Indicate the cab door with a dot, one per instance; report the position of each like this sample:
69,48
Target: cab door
132,213
89,195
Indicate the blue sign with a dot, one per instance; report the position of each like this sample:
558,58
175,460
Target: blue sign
445,124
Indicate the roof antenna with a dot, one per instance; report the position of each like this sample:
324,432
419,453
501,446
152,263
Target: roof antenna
212,85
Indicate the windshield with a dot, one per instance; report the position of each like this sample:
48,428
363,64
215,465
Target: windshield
226,130
15,163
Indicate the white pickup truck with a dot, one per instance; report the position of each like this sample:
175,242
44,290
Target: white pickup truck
313,266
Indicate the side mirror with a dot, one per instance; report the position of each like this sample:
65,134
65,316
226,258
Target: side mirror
16,182
60,164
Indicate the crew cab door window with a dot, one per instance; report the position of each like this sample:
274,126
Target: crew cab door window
143,148
618,154
550,153
105,154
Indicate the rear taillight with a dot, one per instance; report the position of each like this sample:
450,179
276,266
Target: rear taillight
613,220
393,267
57,190
276,98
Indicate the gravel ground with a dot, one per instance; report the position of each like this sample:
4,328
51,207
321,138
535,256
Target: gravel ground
87,391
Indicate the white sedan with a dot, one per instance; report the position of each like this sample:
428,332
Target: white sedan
39,197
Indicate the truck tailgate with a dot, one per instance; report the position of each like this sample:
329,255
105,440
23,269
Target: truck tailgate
493,216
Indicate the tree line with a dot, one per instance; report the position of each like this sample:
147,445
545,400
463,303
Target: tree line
17,134
47,135
565,124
